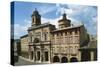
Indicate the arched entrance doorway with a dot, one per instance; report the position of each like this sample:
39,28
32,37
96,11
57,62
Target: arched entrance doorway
56,59
64,60
73,59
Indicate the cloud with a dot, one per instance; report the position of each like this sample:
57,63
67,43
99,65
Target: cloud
51,21
20,30
63,8
81,14
44,10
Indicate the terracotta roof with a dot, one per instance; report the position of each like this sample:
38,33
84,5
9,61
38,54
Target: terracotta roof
39,26
64,20
24,36
71,27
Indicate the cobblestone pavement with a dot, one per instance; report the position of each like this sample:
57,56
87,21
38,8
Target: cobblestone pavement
24,62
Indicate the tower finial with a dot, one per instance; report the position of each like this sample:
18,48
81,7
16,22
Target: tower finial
64,15
35,9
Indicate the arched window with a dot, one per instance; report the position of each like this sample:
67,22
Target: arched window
56,59
36,40
64,60
73,59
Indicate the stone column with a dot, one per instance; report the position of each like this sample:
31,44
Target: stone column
52,55
59,58
29,56
41,56
92,55
79,57
68,56
29,52
36,56
49,57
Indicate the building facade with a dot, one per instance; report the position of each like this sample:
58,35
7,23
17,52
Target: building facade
24,43
46,44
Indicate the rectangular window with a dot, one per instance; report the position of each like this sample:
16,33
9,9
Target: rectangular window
76,49
46,56
31,55
38,55
76,39
70,32
30,38
61,34
53,40
76,31
45,36
65,40
71,50
61,40
58,41
65,33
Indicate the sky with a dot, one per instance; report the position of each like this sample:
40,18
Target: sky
52,12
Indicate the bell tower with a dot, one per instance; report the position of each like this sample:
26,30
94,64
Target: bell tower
36,18
64,22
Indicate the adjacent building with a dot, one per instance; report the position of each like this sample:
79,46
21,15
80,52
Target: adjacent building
24,43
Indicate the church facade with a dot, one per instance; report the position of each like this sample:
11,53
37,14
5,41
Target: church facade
45,43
